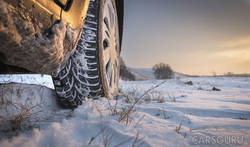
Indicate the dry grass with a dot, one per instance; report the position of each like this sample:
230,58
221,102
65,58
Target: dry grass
137,141
113,108
25,113
163,113
159,97
131,100
148,98
107,136
125,115
154,96
165,116
178,128
126,111
18,110
138,123
93,138
172,98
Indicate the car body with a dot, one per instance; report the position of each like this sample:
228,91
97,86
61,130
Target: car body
32,40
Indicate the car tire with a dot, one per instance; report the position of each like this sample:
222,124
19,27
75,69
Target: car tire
93,69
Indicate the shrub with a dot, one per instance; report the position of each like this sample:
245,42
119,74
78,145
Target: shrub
162,71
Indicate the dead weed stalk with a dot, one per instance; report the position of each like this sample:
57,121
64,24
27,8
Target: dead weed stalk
25,113
125,113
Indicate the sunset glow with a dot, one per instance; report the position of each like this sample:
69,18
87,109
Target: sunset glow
194,37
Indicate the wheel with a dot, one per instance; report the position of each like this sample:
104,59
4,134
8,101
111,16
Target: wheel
93,69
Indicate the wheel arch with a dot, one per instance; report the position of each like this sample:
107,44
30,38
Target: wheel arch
120,11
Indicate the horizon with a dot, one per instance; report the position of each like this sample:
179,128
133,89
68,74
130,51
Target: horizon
193,37
211,74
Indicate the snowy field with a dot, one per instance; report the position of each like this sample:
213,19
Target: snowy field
209,111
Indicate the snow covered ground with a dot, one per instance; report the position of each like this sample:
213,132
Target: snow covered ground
142,74
37,79
176,113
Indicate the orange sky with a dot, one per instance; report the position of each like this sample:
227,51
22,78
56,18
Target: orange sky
193,36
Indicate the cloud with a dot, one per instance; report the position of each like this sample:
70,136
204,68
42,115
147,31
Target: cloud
241,43
238,49
243,54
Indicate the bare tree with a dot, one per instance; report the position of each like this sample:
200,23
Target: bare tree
162,71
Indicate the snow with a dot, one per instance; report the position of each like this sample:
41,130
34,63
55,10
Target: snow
38,79
174,114
142,73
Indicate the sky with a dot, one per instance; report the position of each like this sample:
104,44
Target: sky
192,36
